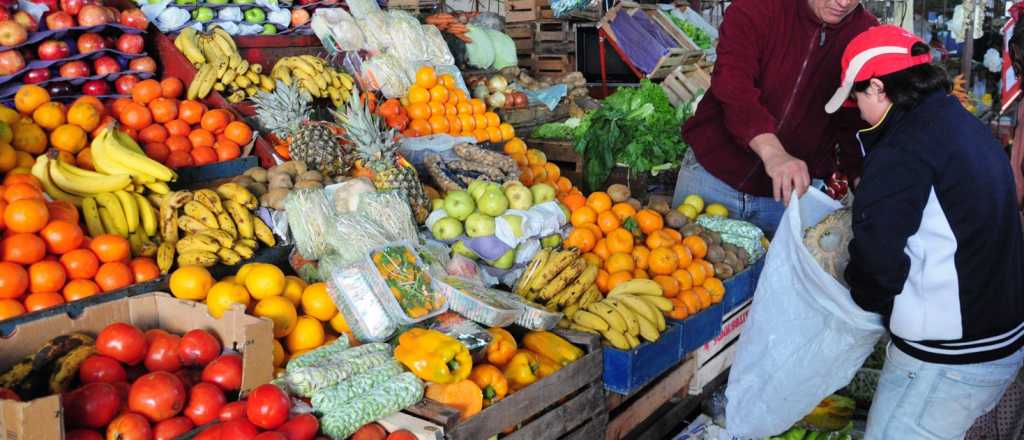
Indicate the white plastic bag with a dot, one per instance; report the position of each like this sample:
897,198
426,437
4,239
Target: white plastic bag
805,338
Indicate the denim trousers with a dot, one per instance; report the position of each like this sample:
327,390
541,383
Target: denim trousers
922,400
763,212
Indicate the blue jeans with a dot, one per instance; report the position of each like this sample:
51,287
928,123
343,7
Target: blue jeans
763,212
921,400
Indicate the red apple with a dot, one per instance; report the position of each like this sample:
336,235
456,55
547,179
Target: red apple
53,50
299,17
96,87
130,43
35,76
5,14
59,20
124,84
93,15
91,42
112,13
134,18
143,64
105,65
59,88
72,7
27,21
12,33
74,69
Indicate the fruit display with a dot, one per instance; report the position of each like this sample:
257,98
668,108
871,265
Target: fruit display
273,185
473,163
314,76
220,66
435,105
535,168
240,17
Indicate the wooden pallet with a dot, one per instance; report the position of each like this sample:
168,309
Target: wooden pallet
669,61
525,61
522,36
561,153
715,357
518,11
553,65
626,413
685,82
554,37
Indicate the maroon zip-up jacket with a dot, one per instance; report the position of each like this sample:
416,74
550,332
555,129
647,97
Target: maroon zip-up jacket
777,66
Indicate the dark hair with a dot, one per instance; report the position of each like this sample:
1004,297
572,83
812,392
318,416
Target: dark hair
1016,47
906,87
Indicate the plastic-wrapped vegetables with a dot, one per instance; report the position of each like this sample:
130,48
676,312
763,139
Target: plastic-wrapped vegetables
362,8
387,73
335,398
334,352
407,39
437,49
308,380
390,210
337,29
376,29
354,235
309,215
401,392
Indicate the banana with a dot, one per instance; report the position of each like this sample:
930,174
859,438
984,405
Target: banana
563,279
244,250
200,212
254,77
229,257
66,368
616,339
221,237
563,323
123,149
570,310
607,313
242,81
640,307
648,329
263,232
238,193
242,217
632,323
228,77
224,39
252,90
578,287
590,320
91,214
147,214
190,224
554,266
131,209
112,205
186,42
531,271
40,170
661,321
592,295
346,80
108,221
148,247
85,186
584,329
266,83
158,187
206,78
209,199
135,241
165,256
659,302
633,341
197,258
226,224
248,242
168,222
242,67
638,286
196,243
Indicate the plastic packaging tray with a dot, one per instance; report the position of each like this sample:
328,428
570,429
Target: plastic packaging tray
487,306
353,290
430,287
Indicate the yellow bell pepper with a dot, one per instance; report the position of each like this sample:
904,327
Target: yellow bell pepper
502,347
491,381
553,347
434,356
522,370
547,366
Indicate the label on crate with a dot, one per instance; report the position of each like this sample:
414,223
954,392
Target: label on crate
732,325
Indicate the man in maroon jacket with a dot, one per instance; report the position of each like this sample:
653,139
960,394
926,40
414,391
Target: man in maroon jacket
761,131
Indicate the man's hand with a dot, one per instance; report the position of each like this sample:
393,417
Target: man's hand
787,172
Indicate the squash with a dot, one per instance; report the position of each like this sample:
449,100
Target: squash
463,395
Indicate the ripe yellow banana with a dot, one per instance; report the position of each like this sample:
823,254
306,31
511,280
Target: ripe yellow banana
238,193
112,206
81,185
590,320
197,258
165,256
632,323
91,214
225,223
195,243
221,237
536,263
554,266
104,163
123,149
158,187
659,302
130,207
263,232
199,212
607,313
209,199
147,214
566,276
639,306
40,170
648,329
242,217
616,338
638,286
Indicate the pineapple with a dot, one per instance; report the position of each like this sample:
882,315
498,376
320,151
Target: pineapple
282,111
378,151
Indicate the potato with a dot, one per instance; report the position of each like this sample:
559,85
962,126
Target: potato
675,220
274,198
618,192
308,184
280,180
257,173
311,175
244,180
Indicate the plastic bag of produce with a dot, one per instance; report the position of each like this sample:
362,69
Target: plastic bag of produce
171,19
231,13
437,49
805,338
337,29
386,73
375,27
362,8
408,41
280,18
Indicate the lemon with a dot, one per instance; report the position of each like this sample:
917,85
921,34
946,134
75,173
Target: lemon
263,281
191,282
694,201
278,353
316,302
717,210
280,311
339,324
223,295
243,272
308,334
293,287
689,211
229,279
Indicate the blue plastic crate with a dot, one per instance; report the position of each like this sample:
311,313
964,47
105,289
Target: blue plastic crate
626,371
741,287
700,328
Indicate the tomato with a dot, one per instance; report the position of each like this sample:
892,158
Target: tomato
123,342
401,434
171,428
300,427
162,354
158,396
198,347
225,371
100,368
268,406
9,394
83,434
211,433
188,376
370,431
129,426
271,435
123,390
239,429
93,405
205,400
232,411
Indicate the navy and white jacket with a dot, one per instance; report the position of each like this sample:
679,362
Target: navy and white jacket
937,244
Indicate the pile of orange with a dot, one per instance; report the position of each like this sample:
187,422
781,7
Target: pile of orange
179,133
37,123
45,257
535,168
435,105
626,244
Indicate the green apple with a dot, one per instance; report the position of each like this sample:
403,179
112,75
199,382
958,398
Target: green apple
478,190
516,223
460,248
203,14
243,2
436,204
479,225
184,2
459,204
493,202
519,197
505,261
447,228
551,241
565,210
255,16
474,185
216,2
542,192
269,29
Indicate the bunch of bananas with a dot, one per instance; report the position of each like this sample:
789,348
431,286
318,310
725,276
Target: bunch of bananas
51,369
123,213
120,163
315,76
217,226
220,66
559,279
632,311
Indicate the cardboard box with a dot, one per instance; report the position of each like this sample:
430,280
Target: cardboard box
716,356
42,418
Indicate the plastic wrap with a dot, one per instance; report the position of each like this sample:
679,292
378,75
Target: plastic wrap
437,49
489,20
487,306
504,50
480,52
536,317
337,29
362,8
353,288
386,73
376,31
309,219
354,235
408,41
415,294
392,213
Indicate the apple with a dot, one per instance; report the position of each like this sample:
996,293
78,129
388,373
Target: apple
551,241
53,50
269,29
74,69
130,43
299,17
447,228
459,204
106,65
124,84
255,16
96,87
436,204
5,14
515,222
36,76
184,2
505,261
72,7
12,33
460,248
479,225
242,2
143,64
59,88
59,20
474,185
565,212
133,17
90,42
217,2
26,21
93,15
11,62
519,197
203,14
492,203
542,192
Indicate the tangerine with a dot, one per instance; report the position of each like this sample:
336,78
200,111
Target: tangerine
191,111
9,308
619,240
144,269
69,138
62,237
669,285
110,248
155,133
618,278
14,280
114,275
30,97
136,116
227,150
164,109
46,276
582,239
215,120
146,91
49,115
618,262
696,245
203,155
608,221
426,77
640,256
200,137
177,127
238,132
178,143
171,88
623,210
583,215
75,290
26,215
157,151
418,94
80,264
42,300
649,221
662,261
23,248
684,278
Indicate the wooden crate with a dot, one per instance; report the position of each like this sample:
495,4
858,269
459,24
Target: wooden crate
590,14
413,6
693,53
522,36
715,357
562,154
554,37
626,413
518,11
685,54
685,82
569,404
525,61
553,65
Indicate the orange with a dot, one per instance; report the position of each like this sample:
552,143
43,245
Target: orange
191,111
447,80
264,280
492,119
692,301
84,115
602,281
418,94
623,210
49,115
14,280
618,262
669,285
674,234
640,273
536,157
113,276
201,138
24,160
178,143
439,94
563,184
464,108
40,301
619,240
69,138
420,126
30,97
109,248
599,201
705,298
659,239
715,288
10,308
436,108
478,106
155,133
592,259
227,150
649,221
178,127
26,215
144,269
75,290
618,278
80,264
29,137
171,88
709,269
582,239
163,109
293,288
280,311
215,120
94,102
469,124
146,91
307,335
696,245
607,221
223,295
596,230
63,210
191,282
583,215
15,191
136,116
640,256
316,302
513,146
574,201
539,174
426,77
419,111
697,274
601,249
438,124
494,135
507,131
62,237
203,156
662,261
553,171
683,253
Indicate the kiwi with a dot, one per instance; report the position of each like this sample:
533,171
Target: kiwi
660,204
635,203
733,261
618,192
715,237
743,255
675,220
691,230
723,271
715,253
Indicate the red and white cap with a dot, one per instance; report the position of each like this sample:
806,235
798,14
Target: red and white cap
876,52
